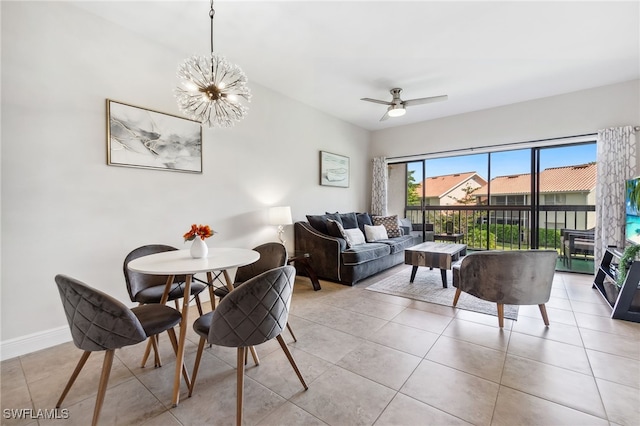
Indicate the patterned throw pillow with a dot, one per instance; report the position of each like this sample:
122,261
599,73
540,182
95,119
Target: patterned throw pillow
390,223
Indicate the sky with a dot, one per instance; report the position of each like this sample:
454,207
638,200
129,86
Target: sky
507,162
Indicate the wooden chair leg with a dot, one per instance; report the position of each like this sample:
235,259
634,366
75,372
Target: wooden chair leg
456,297
254,354
284,347
156,352
543,311
501,315
291,331
147,352
196,365
174,342
175,301
74,376
102,387
240,385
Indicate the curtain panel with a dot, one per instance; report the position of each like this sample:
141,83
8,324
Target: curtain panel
616,161
379,187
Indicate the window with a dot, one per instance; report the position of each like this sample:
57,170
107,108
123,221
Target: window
555,199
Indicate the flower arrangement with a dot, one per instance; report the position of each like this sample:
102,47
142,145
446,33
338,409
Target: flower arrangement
202,231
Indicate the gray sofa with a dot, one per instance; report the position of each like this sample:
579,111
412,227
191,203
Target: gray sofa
333,260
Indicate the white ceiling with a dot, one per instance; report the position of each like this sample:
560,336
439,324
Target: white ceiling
329,54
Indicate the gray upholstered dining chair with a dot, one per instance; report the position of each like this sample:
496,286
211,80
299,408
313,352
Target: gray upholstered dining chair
98,322
518,277
145,288
272,255
255,312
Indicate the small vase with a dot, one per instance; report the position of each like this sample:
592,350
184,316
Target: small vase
199,249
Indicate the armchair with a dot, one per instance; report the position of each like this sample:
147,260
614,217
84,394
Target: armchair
519,277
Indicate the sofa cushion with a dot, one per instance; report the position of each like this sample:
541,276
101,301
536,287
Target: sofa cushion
399,244
375,233
363,219
334,228
319,222
354,237
365,253
390,223
348,220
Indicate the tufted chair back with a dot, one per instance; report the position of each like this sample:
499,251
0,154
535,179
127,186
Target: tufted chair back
136,281
254,312
97,321
272,255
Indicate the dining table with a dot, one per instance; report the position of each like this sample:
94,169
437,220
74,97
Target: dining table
180,262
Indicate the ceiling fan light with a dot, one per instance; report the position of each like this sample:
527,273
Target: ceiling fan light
396,112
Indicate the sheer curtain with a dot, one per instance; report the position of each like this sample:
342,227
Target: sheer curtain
616,163
379,187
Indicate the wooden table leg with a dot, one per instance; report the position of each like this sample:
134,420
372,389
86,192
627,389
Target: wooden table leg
181,340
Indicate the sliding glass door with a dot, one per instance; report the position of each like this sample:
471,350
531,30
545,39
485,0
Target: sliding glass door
507,200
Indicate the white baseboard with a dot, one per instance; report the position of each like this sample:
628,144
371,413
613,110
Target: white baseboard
34,342
45,339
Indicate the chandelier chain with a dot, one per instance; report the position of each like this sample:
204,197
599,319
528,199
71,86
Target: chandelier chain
212,13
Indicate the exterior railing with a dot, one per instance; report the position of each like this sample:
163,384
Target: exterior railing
505,227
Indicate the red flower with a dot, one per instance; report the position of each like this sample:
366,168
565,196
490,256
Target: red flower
202,231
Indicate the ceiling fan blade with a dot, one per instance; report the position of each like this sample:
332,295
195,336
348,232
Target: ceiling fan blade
376,101
428,100
385,116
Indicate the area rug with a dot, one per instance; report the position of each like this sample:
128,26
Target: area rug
427,287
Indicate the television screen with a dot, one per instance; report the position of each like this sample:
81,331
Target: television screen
632,206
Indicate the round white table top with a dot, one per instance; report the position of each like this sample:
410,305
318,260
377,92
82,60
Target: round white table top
180,262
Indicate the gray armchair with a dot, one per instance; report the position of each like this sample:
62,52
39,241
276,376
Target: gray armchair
519,277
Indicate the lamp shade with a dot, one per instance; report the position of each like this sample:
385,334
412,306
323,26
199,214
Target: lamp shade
280,216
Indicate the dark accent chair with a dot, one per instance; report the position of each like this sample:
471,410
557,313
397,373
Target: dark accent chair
519,277
255,312
98,322
145,288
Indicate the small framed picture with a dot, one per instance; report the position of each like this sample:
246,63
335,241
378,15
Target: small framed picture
334,170
139,137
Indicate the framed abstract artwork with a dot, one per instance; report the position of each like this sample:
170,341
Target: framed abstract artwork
139,137
334,170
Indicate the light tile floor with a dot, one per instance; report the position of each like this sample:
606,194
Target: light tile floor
371,358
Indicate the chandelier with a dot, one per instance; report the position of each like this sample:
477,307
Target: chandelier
211,88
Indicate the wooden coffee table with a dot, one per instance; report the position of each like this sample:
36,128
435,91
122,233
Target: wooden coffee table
434,255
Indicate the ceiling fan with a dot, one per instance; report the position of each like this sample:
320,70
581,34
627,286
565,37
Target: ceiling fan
397,106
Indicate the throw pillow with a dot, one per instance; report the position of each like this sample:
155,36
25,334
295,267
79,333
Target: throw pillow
335,228
375,233
348,220
319,222
390,223
354,237
363,219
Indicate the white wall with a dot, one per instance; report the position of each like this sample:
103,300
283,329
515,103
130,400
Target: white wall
570,114
65,211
